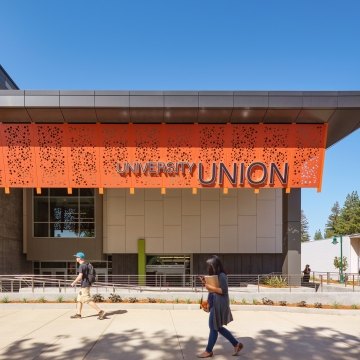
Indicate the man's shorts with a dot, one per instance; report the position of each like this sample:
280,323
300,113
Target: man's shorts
84,295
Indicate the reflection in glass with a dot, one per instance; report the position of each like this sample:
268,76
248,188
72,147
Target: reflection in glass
87,230
64,209
67,230
41,229
41,209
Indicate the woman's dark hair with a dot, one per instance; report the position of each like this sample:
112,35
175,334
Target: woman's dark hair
215,266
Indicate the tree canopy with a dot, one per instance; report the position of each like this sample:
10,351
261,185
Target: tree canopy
304,227
345,220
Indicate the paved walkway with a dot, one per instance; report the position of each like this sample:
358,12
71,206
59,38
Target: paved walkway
36,331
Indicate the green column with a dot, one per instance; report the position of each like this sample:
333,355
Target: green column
141,261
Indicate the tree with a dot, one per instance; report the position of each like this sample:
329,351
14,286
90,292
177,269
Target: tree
337,263
332,221
318,235
304,228
349,219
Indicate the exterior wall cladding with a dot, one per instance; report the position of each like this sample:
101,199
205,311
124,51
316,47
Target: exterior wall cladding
12,259
245,229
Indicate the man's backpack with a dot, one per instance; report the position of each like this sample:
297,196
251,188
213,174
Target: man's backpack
91,275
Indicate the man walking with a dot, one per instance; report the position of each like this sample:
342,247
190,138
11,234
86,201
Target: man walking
84,294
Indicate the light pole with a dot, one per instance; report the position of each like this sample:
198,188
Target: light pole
334,242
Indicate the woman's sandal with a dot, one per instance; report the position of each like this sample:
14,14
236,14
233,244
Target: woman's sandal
237,349
205,355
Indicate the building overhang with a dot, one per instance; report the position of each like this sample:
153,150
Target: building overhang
339,109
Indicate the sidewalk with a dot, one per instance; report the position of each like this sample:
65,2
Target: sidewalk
135,332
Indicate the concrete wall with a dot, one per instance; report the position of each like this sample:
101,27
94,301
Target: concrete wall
182,223
320,254
12,259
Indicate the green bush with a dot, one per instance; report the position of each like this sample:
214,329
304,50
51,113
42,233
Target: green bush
255,302
354,306
283,303
133,300
5,299
115,298
301,304
275,281
267,301
97,298
60,299
318,305
42,299
336,305
151,300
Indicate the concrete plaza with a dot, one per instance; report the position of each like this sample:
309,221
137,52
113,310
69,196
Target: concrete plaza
167,331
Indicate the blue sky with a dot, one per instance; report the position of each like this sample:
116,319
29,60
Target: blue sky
194,45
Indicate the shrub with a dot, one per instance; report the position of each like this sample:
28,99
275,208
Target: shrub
42,299
188,301
232,301
318,305
354,306
60,299
244,302
132,300
5,299
275,281
301,304
177,300
255,302
336,305
115,298
283,303
151,300
24,300
267,301
162,301
97,298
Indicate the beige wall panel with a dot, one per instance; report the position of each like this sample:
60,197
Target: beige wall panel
190,203
154,219
154,245
265,218
116,192
173,192
135,203
278,210
190,232
172,211
278,239
210,219
209,245
172,240
115,210
228,211
265,245
246,202
153,194
246,234
210,194
266,194
231,193
134,231
228,239
116,239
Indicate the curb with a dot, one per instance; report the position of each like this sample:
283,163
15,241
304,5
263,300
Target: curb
191,307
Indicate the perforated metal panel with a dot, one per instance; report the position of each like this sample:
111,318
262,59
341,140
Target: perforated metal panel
64,155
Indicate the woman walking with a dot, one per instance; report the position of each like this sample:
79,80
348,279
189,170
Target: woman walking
219,308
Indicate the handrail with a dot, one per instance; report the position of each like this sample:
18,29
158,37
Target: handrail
182,283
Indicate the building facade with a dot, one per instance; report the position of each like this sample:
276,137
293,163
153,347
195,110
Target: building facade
164,178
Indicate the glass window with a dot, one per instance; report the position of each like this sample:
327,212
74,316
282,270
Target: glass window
57,214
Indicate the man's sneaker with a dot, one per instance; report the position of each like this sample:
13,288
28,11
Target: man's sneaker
76,316
101,315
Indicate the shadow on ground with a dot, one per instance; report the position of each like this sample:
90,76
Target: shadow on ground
304,343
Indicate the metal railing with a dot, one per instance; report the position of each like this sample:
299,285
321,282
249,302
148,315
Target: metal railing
183,283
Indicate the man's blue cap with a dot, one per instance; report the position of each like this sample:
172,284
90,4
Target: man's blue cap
80,255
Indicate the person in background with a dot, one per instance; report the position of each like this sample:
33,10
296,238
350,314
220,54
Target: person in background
306,272
219,309
84,294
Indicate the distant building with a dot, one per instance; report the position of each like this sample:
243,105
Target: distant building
320,254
